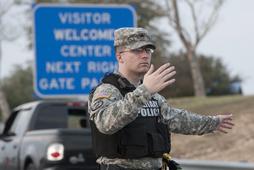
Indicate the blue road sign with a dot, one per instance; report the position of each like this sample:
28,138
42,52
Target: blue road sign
74,46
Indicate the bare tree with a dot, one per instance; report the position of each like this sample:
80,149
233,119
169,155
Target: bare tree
9,32
198,25
4,106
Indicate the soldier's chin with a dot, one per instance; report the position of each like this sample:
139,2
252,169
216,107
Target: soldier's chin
143,71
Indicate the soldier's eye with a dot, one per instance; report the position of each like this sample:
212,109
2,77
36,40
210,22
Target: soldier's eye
143,49
149,50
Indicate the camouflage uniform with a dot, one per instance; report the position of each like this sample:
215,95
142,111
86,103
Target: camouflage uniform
110,111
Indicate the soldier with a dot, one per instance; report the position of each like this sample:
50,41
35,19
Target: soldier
130,121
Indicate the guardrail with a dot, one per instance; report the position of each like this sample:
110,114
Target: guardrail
214,165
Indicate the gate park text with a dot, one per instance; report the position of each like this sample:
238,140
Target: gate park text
67,83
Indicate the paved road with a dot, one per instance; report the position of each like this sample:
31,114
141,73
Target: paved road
214,165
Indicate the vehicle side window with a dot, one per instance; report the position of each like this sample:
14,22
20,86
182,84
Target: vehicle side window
20,122
14,124
9,122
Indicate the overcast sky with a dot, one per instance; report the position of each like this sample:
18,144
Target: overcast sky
231,39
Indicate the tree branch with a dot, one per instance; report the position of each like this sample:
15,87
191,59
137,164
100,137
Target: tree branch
211,20
170,17
177,23
5,6
195,22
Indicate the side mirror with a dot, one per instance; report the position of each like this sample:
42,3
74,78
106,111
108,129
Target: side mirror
11,134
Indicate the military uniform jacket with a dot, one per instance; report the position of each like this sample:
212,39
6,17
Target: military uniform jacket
146,136
111,111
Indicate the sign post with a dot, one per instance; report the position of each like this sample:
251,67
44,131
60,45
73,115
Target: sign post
74,46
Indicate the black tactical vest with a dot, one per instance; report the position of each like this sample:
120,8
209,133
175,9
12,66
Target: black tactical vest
144,137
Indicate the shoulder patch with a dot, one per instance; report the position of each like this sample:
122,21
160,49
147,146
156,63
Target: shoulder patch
103,95
104,91
96,105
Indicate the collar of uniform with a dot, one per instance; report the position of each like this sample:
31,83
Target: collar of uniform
125,82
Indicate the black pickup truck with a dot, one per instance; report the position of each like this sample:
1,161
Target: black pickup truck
47,135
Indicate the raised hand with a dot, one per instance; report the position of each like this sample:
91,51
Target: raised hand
157,80
225,123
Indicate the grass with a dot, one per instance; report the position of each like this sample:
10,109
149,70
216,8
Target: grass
197,102
235,146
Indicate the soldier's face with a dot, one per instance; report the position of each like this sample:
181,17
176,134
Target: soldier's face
136,61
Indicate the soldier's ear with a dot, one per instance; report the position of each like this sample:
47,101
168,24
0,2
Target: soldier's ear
119,57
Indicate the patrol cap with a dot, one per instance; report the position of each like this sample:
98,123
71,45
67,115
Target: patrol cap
132,38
